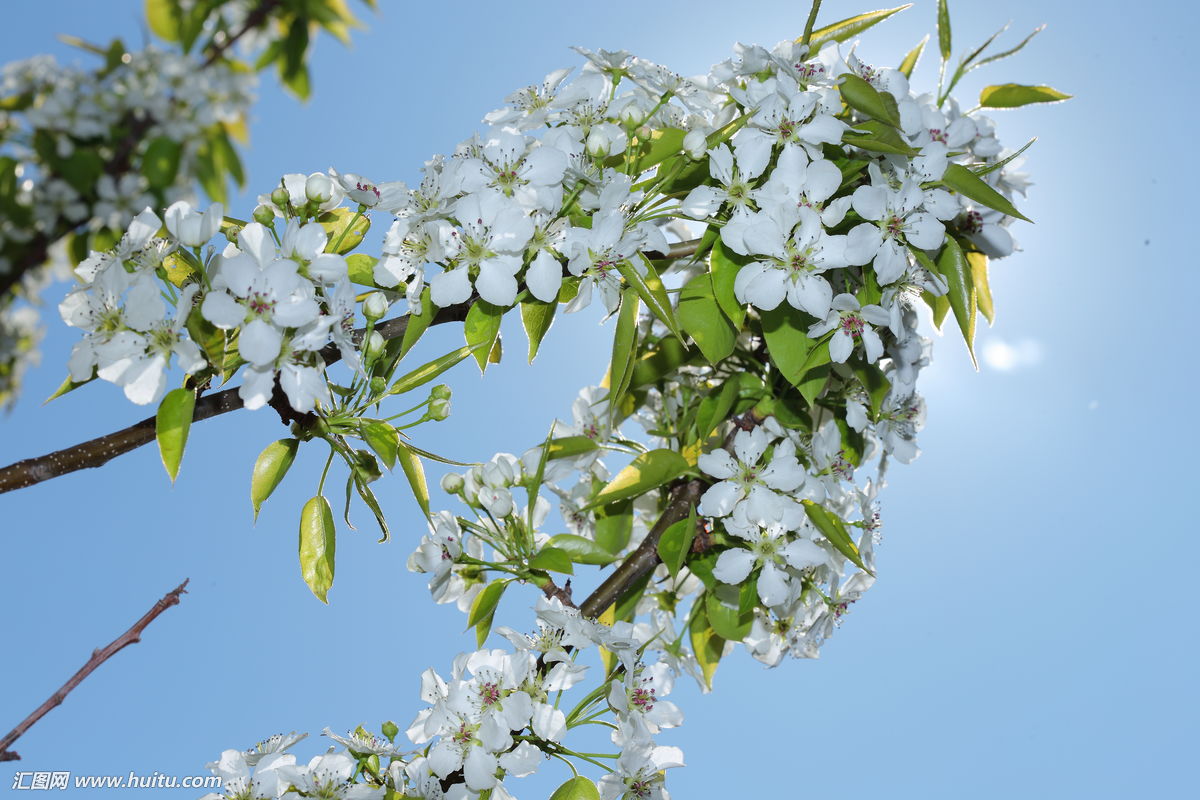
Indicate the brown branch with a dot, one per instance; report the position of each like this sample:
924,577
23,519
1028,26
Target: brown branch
563,593
677,250
131,636
253,20
640,562
99,451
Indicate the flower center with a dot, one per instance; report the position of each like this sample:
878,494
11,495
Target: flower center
260,303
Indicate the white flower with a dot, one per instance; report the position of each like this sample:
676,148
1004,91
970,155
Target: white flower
744,481
796,255
896,220
852,324
190,227
487,247
771,550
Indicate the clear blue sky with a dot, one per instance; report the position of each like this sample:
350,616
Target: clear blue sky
1033,630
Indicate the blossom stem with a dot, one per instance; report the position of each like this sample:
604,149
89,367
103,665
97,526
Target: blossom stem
808,26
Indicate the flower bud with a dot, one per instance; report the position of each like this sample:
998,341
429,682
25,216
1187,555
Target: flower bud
280,197
440,392
438,410
598,144
263,215
373,347
375,306
631,115
318,188
695,144
452,483
378,385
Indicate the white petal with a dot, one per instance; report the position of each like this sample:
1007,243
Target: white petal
259,343
450,288
480,769
222,310
719,500
523,760
734,565
544,277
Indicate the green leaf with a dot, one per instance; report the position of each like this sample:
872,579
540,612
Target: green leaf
971,186
1002,163
577,788
69,385
803,361
418,323
978,264
381,437
647,471
715,408
676,542
914,56
614,525
536,318
878,137
410,462
430,370
728,623
664,143
850,27
162,16
952,265
701,318
160,164
943,29
317,544
707,645
272,464
570,446
361,269
620,367
485,604
552,559
81,169
656,364
581,550
862,96
1014,95
171,426
652,292
939,305
1011,51
874,383
724,265
343,236
361,484
481,329
834,529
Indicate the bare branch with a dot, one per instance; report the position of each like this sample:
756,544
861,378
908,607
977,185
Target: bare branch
131,636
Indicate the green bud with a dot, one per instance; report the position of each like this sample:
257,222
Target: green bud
263,215
318,188
373,347
452,483
440,392
390,730
438,410
378,385
280,197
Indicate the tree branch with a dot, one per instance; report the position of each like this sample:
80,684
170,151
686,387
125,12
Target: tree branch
216,49
645,558
131,636
99,451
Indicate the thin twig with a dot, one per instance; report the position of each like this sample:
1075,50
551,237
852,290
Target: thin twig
99,451
131,636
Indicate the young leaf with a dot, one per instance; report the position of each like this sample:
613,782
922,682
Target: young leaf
410,462
160,163
161,15
647,471
728,623
970,185
381,437
581,550
418,323
427,372
706,644
702,319
850,27
360,268
943,29
272,464
1002,163
913,58
484,609
570,446
1014,95
343,236
834,529
614,525
620,368
724,264
317,544
577,788
878,137
171,426
68,385
862,96
803,361
978,263
1011,51
650,289
481,329
952,266
676,541
536,318
552,559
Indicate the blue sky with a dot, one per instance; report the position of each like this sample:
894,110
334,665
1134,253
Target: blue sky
1032,631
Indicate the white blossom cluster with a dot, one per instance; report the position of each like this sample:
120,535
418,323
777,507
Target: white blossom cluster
551,204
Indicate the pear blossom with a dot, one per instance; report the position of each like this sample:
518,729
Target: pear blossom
797,251
851,324
743,480
486,250
896,219
771,551
190,227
